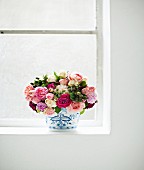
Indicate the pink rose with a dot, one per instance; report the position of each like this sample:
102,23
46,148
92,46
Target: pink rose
40,92
35,100
50,96
88,90
49,111
92,97
64,101
41,106
91,89
28,89
63,81
30,95
29,92
51,86
76,107
76,77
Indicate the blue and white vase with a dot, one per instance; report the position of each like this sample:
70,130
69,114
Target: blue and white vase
63,120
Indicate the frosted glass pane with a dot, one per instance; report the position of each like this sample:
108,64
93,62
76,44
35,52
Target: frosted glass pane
47,14
23,57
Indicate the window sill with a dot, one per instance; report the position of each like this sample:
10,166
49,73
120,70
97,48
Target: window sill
46,131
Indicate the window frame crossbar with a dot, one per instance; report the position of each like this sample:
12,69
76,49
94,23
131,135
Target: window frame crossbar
48,31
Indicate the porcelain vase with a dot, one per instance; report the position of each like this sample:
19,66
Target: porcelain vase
63,120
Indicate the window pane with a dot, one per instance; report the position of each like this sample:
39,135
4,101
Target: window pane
24,57
47,14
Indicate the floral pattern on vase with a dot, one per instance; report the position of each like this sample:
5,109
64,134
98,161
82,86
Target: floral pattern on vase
63,120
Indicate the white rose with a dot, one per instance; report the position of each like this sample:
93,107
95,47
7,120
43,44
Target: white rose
50,103
73,82
51,79
61,88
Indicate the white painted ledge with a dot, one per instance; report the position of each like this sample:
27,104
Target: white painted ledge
46,131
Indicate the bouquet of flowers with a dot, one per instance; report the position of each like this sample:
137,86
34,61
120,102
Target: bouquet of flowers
51,93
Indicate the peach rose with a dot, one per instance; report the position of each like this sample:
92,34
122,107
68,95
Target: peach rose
76,77
28,89
63,81
88,90
49,111
76,107
29,92
29,96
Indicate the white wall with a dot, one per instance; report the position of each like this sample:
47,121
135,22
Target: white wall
124,148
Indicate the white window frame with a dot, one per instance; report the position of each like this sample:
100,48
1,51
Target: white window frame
101,125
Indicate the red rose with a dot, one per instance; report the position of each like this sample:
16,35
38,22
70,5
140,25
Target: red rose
64,101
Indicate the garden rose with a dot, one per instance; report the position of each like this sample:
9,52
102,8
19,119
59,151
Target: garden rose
49,111
50,103
51,79
63,74
76,77
76,106
92,97
29,92
88,90
62,88
41,106
51,85
64,101
63,81
73,82
40,92
30,95
50,96
28,89
35,100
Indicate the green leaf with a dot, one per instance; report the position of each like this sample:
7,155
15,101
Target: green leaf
72,96
82,112
84,96
56,76
83,84
57,109
45,77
